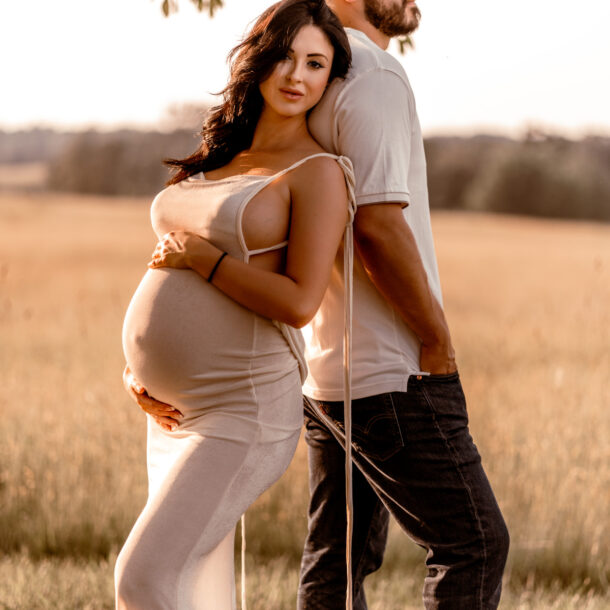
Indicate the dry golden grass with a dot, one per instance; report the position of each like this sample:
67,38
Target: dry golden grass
69,584
527,301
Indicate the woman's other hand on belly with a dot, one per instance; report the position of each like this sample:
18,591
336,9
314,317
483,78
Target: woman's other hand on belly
165,415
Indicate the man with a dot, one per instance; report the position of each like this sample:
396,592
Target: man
412,451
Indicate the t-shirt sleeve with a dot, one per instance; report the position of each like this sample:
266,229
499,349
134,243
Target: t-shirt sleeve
373,128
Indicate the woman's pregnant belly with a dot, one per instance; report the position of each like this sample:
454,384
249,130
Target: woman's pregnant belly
189,344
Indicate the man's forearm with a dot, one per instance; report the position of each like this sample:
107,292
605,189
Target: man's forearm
389,253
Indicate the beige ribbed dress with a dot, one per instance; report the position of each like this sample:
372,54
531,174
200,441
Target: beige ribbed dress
236,377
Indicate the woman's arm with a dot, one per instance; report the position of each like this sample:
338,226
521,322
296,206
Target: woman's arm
319,212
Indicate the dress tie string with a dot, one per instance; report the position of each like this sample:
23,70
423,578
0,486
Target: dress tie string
348,274
295,341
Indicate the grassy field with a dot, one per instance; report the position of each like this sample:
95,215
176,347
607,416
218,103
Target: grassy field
528,303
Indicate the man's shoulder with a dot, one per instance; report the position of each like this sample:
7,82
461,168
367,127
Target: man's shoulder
367,57
374,77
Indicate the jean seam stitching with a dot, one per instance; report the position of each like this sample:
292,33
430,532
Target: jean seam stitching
470,495
402,439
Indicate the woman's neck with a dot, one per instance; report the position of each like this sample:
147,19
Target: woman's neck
274,132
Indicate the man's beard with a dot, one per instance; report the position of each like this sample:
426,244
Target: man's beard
393,20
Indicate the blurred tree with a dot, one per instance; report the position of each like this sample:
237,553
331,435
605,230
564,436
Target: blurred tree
126,162
453,164
171,6
540,175
545,176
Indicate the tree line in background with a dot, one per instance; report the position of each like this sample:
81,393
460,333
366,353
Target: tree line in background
538,175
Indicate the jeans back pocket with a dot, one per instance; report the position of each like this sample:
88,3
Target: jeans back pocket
376,432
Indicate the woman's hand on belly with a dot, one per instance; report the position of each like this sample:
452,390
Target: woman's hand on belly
185,250
165,415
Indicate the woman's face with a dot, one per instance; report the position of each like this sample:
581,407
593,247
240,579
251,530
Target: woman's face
298,81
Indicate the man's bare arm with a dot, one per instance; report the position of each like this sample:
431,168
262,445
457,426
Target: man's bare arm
388,251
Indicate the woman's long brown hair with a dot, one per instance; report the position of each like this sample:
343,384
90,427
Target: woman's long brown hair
229,127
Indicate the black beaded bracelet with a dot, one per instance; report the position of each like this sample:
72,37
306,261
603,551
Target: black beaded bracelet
216,266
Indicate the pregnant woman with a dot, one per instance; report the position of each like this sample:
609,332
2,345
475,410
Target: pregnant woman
248,230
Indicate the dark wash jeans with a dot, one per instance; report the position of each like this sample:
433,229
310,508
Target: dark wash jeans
414,457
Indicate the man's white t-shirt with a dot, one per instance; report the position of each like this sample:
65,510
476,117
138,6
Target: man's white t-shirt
370,117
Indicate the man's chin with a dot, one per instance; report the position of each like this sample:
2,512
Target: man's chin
413,19
405,30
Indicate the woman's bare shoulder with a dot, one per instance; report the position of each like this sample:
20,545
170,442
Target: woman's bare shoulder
320,178
324,165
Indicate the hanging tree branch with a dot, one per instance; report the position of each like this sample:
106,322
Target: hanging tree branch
171,6
404,43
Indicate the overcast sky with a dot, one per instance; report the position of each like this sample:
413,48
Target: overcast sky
478,65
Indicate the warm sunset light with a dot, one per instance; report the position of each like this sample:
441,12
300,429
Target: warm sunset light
337,338
477,65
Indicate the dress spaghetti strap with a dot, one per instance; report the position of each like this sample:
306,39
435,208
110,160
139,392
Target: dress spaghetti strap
279,246
305,159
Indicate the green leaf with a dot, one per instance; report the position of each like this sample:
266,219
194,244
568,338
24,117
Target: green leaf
404,42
